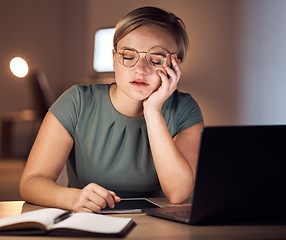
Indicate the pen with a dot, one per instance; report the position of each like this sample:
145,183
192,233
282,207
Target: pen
62,217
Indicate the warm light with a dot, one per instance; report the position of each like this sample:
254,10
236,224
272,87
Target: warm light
19,67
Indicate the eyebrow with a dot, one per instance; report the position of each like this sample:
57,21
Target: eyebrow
131,48
127,48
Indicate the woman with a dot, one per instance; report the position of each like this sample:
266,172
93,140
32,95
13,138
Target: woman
136,137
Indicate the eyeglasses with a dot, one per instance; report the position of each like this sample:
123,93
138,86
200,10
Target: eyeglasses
155,56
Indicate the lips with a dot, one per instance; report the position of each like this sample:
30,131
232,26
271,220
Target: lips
139,82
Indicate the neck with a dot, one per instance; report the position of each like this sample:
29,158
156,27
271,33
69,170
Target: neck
125,105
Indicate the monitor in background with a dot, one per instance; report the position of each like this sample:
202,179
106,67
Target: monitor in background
103,45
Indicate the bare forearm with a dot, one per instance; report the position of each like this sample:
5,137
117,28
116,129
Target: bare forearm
175,173
43,191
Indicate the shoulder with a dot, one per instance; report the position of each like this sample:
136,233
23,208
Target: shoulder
180,95
84,93
79,97
90,89
181,111
179,101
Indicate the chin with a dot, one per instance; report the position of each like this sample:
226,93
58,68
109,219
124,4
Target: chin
138,98
141,96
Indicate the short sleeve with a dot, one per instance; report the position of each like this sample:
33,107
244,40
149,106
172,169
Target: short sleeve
181,111
189,115
66,109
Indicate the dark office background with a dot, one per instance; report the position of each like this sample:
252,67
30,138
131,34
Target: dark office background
235,69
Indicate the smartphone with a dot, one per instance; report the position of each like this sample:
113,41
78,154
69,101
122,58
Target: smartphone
130,205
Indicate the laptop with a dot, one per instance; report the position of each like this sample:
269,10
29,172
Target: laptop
241,177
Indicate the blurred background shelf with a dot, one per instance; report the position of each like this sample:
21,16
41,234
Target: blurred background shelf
10,173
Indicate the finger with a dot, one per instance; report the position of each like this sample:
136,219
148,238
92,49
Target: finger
165,89
93,203
90,193
170,81
86,206
164,78
176,65
96,199
175,71
105,195
173,75
93,197
91,207
87,210
115,197
83,209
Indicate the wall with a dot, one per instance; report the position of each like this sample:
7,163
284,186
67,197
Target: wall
262,62
51,36
27,28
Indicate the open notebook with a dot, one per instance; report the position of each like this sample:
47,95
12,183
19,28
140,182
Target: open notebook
241,176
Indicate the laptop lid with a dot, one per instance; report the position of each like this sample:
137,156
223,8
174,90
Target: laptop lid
241,175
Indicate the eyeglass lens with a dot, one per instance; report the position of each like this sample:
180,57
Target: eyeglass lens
155,57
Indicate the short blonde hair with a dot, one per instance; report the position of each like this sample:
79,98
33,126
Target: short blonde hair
156,17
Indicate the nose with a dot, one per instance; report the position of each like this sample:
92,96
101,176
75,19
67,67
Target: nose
142,66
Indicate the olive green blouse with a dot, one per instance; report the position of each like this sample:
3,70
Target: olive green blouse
113,150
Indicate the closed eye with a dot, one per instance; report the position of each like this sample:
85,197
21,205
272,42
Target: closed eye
157,63
128,58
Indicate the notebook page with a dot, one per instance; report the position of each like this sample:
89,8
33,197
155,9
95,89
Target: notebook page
93,222
44,216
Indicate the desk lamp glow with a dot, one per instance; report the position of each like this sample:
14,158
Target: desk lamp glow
19,67
39,88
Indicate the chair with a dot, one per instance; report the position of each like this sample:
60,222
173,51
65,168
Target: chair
42,98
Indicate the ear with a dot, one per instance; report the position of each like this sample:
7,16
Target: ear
113,56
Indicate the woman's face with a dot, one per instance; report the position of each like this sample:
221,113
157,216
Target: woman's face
141,80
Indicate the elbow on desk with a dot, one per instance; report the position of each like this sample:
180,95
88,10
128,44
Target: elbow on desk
178,198
178,194
23,190
26,188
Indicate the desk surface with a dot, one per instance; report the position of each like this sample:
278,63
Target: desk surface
155,228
